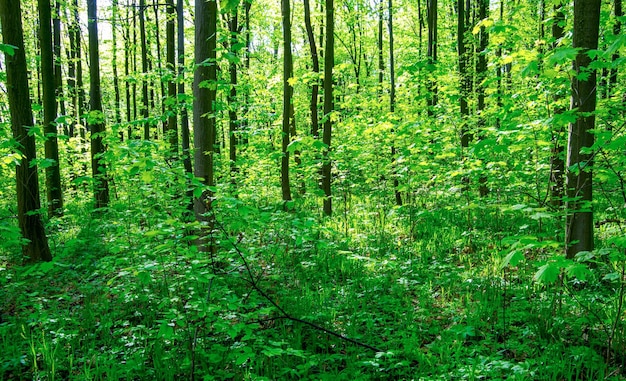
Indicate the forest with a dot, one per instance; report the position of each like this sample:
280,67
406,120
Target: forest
312,190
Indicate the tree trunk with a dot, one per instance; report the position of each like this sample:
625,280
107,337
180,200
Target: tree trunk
431,54
466,135
54,191
329,106
481,76
184,116
204,91
557,162
316,70
171,127
579,231
28,203
116,81
96,116
392,103
58,74
287,98
145,111
233,28
381,61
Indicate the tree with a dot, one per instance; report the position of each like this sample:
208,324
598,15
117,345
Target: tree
116,81
96,116
54,191
205,91
392,102
329,106
557,162
464,79
287,99
145,111
316,69
171,128
579,229
233,104
28,203
431,53
184,116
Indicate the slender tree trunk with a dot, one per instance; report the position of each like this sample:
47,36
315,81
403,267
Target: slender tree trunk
157,36
316,70
54,191
392,102
184,116
171,127
127,59
145,111
381,60
557,162
204,109
579,231
116,81
28,203
329,106
233,28
134,64
96,122
58,73
481,76
431,53
466,135
287,98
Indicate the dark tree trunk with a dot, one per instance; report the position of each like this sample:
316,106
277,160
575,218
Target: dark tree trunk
466,135
233,28
316,69
28,203
579,231
392,103
184,116
145,111
381,60
329,106
431,54
116,81
557,161
481,76
96,119
204,109
287,97
171,127
58,74
54,191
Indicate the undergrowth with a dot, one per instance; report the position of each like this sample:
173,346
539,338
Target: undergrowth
411,294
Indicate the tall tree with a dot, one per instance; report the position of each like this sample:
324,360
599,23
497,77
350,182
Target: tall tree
58,72
116,81
287,99
204,91
28,203
171,127
481,81
316,69
329,106
392,101
464,79
54,191
431,54
579,230
233,104
145,111
96,116
184,115
557,160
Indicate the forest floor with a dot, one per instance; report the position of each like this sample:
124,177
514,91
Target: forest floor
428,292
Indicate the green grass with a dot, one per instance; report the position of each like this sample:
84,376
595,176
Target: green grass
129,297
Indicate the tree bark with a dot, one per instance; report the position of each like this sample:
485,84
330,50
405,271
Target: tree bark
54,192
145,111
557,162
316,70
96,116
171,127
464,79
329,106
204,91
392,103
28,203
579,231
287,99
233,28
431,53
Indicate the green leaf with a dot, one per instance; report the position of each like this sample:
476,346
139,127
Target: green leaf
562,55
513,258
578,271
227,6
547,273
8,49
612,276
